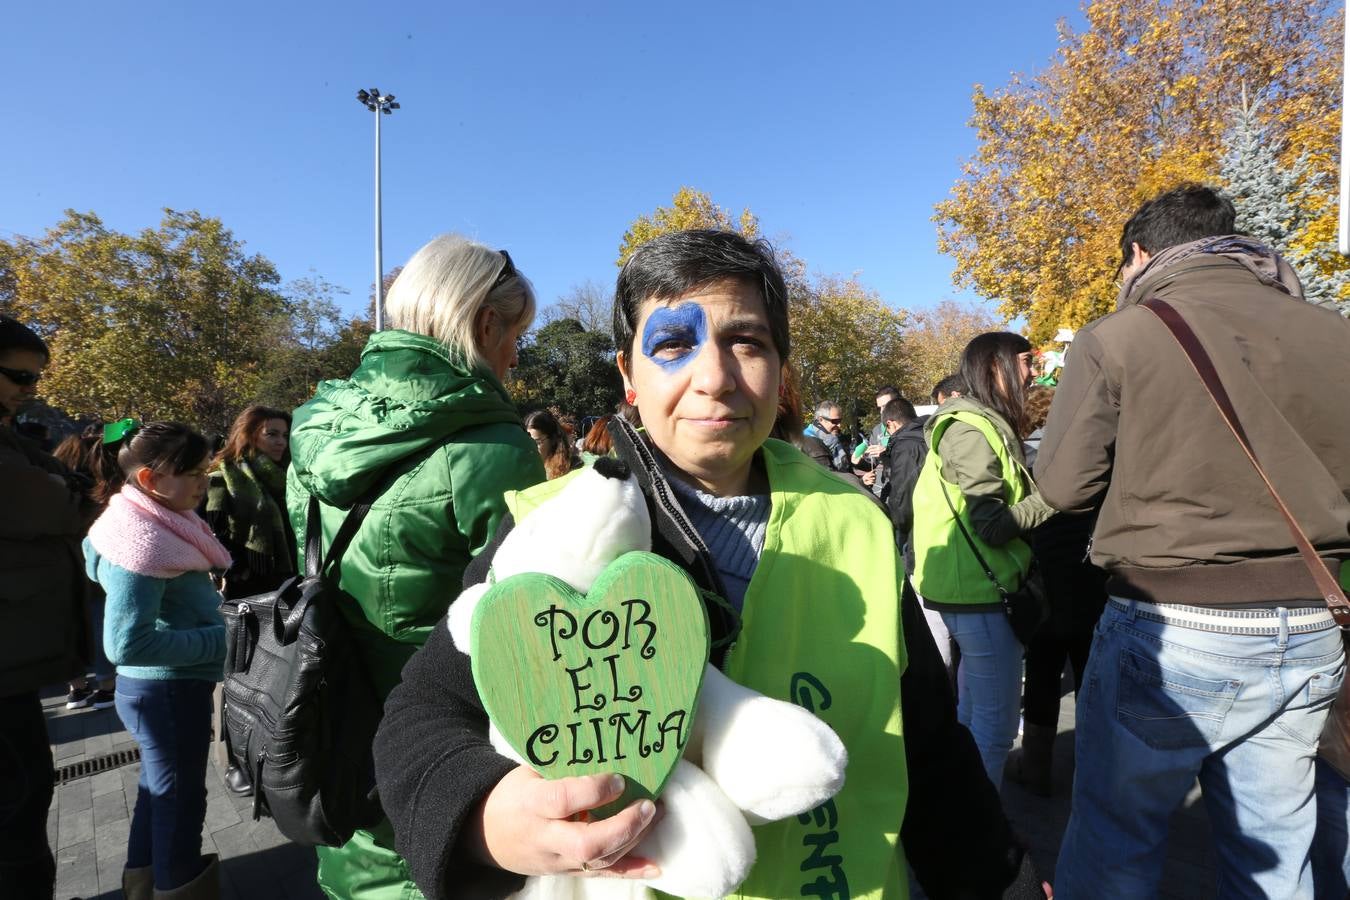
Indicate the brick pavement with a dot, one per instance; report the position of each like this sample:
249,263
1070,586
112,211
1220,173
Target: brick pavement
89,819
88,824
1189,872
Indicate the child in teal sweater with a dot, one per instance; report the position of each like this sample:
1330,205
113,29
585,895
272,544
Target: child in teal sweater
162,627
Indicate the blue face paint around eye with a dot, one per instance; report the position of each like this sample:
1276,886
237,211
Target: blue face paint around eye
684,324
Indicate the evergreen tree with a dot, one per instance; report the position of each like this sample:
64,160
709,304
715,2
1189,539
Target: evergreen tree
1275,204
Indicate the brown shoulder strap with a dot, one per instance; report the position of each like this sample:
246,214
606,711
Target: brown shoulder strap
1327,584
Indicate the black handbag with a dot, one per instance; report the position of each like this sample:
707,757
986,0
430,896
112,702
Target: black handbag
300,707
1026,607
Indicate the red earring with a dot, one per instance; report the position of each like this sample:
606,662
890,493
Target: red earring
630,396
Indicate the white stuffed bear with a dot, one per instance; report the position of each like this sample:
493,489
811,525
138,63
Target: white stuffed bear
761,759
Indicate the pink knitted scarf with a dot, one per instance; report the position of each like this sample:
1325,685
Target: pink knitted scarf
146,537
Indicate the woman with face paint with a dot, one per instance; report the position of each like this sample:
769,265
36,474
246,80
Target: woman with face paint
802,584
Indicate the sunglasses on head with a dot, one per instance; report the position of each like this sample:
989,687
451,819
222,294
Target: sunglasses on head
21,377
507,271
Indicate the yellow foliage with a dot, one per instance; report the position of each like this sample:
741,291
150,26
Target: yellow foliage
934,341
689,208
1135,104
845,341
167,324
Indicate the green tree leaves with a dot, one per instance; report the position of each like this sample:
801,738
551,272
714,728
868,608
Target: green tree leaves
176,322
565,365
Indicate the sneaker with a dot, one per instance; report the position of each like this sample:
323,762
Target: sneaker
102,699
78,698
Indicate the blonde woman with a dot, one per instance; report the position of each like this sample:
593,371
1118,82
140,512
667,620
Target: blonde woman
425,428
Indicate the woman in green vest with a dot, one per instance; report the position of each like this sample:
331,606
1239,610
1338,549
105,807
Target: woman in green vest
975,471
802,582
425,428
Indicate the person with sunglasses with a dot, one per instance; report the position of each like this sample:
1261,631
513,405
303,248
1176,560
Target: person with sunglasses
826,429
43,638
424,431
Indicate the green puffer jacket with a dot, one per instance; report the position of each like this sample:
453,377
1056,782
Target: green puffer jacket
441,444
446,444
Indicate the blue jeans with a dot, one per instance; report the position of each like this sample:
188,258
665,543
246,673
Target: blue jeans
1238,703
1331,849
989,692
171,721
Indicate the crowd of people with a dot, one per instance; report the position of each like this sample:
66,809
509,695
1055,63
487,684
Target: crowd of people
932,575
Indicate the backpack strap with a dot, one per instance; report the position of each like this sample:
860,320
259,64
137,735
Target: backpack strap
315,562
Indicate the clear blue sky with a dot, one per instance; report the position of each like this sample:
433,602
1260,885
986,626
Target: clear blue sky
544,128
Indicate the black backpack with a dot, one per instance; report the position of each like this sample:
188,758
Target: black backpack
300,707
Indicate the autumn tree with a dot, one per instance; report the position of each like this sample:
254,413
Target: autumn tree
176,322
846,342
689,208
172,322
1134,104
934,342
309,342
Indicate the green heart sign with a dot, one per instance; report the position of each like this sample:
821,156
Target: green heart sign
595,684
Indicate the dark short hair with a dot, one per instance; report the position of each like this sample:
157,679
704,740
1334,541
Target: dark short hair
1179,216
952,384
170,448
997,350
672,265
898,410
887,389
14,335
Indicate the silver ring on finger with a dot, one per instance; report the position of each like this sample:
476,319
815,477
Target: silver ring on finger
586,866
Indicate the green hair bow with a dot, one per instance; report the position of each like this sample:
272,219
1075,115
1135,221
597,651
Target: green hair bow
120,430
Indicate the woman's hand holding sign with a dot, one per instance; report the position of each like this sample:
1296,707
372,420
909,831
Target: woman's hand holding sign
534,826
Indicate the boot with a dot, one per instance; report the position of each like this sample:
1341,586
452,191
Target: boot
205,886
1031,769
138,884
236,779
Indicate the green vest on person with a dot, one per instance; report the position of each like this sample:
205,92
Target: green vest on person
826,636
945,569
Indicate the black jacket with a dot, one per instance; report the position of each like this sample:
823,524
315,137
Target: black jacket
434,763
905,453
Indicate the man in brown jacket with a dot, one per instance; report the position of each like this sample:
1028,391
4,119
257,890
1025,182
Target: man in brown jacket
42,622
1215,657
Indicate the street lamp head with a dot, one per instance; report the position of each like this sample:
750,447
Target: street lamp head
394,106
362,96
375,92
390,97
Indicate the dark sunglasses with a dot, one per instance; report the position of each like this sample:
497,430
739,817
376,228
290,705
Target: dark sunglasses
831,421
21,377
508,271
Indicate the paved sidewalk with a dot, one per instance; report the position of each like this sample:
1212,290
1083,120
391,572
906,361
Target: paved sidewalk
1189,873
88,824
90,816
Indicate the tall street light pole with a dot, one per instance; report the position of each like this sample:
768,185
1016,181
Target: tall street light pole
379,104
